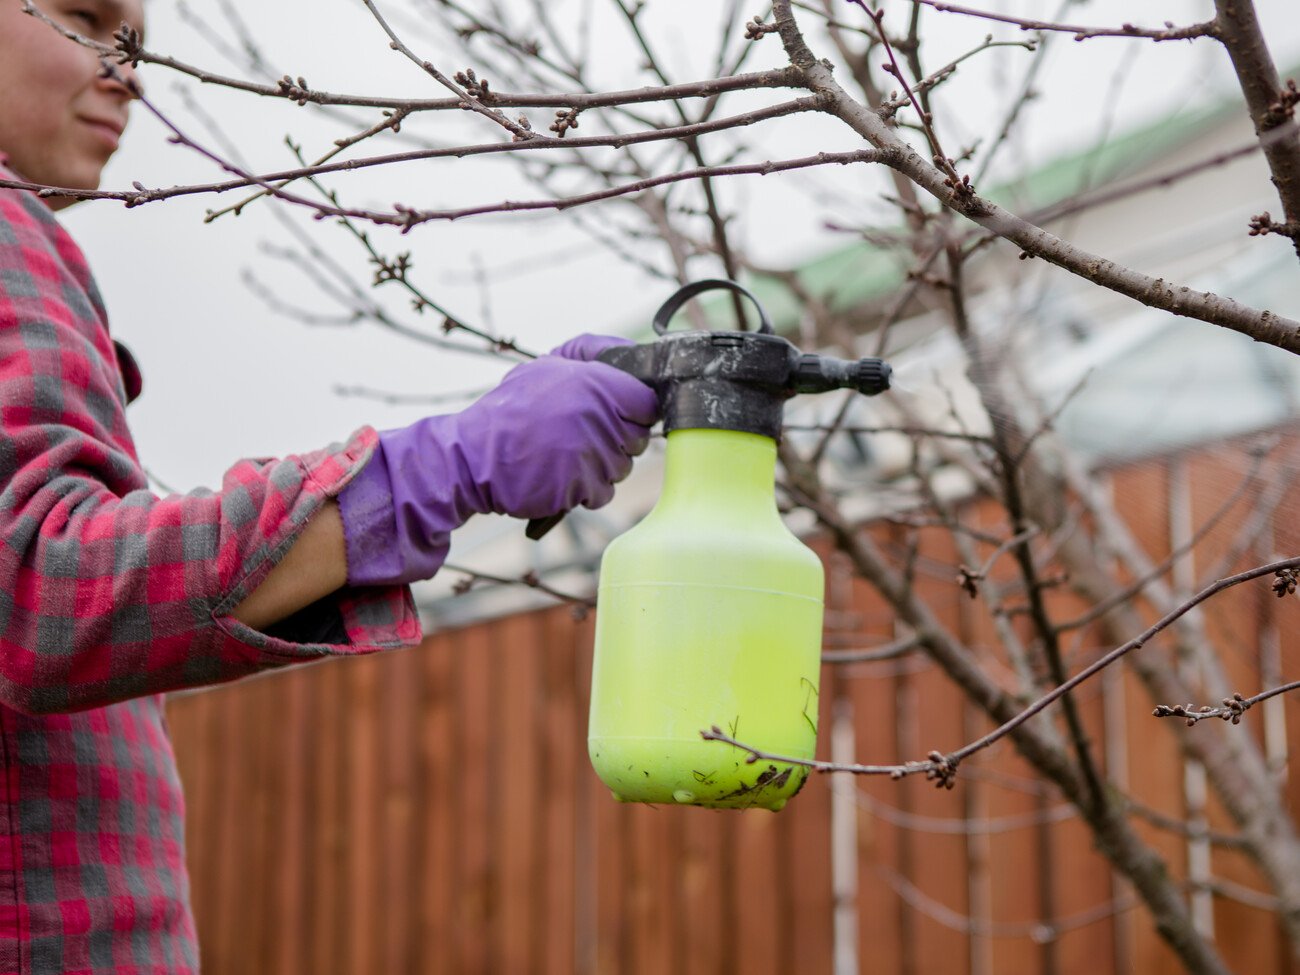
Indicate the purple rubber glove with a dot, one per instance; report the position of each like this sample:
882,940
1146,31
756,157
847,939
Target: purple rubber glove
558,432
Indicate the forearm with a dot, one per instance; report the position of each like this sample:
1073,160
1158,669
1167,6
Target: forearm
313,568
113,592
123,594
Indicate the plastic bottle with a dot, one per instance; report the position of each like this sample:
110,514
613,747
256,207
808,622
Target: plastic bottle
710,613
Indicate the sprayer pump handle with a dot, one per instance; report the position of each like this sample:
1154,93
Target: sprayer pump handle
619,358
683,295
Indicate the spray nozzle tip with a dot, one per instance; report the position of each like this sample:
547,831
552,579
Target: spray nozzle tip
872,376
812,373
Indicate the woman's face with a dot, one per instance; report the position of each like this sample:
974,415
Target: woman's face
59,120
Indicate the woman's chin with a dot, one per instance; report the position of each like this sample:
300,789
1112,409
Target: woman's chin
73,178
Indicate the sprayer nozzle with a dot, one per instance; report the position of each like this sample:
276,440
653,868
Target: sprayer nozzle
819,373
871,376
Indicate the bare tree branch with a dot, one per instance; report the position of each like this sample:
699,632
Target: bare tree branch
888,651
1166,33
1273,568
1263,326
942,767
141,195
1139,584
1232,710
1271,105
581,604
298,91
408,218
1182,827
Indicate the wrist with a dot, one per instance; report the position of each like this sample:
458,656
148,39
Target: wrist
396,524
370,524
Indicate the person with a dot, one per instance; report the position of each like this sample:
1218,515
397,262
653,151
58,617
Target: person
111,596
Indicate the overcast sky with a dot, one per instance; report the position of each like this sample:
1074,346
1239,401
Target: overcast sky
227,377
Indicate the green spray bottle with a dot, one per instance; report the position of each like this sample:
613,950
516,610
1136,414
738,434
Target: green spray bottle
710,610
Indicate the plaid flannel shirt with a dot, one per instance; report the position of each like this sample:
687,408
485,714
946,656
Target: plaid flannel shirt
110,596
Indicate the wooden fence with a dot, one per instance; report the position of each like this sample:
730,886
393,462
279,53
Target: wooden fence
432,811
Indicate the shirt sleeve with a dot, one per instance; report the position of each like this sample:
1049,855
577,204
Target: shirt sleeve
108,592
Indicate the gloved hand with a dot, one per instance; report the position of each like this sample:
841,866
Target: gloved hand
558,432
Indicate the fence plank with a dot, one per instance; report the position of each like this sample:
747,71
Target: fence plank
701,923
562,737
294,815
760,929
519,794
438,824
614,855
474,785
363,802
398,755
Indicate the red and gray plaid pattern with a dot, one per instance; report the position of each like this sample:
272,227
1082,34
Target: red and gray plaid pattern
110,596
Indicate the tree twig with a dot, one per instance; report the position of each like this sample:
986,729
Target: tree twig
1233,708
1272,105
1166,33
582,604
942,767
886,651
408,218
140,195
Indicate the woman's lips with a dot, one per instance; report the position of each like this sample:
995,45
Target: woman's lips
107,131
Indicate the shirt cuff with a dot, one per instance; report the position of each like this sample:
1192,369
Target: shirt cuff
357,619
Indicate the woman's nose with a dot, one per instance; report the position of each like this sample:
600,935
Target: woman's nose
121,79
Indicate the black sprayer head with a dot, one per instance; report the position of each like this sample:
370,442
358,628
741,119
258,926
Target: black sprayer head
735,380
730,380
